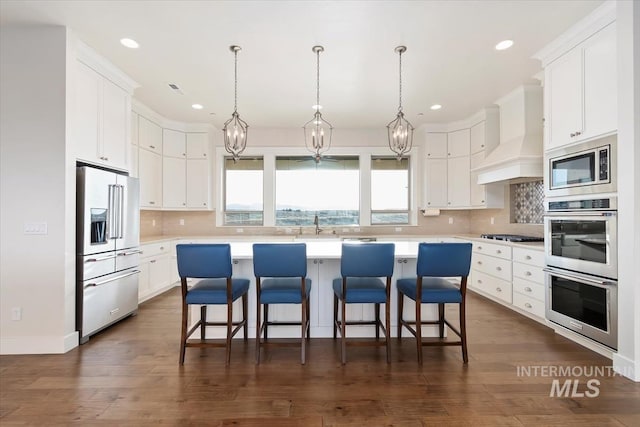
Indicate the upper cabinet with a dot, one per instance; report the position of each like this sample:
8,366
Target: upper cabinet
174,166
436,144
101,120
581,87
458,143
102,113
149,135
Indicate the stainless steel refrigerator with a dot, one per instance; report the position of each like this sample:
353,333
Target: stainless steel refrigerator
107,245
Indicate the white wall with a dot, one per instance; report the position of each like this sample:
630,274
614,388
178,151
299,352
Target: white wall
627,360
36,271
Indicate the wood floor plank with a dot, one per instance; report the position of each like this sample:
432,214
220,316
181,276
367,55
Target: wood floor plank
129,375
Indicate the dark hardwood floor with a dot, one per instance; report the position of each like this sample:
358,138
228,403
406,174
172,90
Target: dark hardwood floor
129,375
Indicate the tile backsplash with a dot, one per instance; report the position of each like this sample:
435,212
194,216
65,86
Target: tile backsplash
527,202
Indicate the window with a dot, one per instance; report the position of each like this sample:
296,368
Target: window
329,189
389,190
243,201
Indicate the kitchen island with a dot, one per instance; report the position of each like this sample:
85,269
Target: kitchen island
159,273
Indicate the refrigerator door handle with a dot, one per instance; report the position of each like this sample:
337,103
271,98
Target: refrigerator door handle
121,210
111,231
122,276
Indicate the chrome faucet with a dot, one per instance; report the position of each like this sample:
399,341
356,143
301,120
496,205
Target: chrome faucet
316,222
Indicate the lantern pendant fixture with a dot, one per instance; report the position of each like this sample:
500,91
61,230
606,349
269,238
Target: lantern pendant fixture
317,131
235,129
400,130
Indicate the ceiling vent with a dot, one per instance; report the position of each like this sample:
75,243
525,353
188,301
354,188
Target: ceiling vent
519,153
176,88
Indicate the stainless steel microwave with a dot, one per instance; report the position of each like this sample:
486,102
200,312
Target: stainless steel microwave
582,169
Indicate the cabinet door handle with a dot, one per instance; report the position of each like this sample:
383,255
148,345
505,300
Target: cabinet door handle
235,261
498,251
578,133
184,204
204,154
479,262
526,304
152,203
152,146
528,257
479,248
315,261
204,204
527,273
527,289
499,268
152,261
499,289
479,281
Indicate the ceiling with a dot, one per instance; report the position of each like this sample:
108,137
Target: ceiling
450,57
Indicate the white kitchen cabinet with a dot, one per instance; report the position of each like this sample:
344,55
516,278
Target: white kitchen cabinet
458,182
458,143
491,270
101,119
134,169
149,135
581,88
150,172
436,145
477,137
174,143
528,282
174,182
436,183
484,195
197,185
154,270
197,145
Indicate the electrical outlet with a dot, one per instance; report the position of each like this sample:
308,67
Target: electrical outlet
181,221
493,220
450,220
16,313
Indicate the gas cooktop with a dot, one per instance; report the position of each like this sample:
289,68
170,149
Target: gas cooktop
512,237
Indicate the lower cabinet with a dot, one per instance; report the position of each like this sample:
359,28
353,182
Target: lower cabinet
154,269
512,276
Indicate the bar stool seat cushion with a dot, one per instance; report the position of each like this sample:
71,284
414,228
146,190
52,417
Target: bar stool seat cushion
434,290
283,290
214,291
362,290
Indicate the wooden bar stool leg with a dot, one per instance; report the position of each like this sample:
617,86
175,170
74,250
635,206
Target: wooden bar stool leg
463,331
418,329
335,316
258,327
183,335
400,319
229,329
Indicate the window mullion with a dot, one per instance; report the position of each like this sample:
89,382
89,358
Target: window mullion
365,189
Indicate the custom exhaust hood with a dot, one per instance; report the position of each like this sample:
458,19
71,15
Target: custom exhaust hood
519,153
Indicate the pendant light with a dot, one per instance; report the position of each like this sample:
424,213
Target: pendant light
317,131
235,129
400,130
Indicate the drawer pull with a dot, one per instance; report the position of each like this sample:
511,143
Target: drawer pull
526,304
152,146
527,289
499,268
479,248
527,273
479,281
528,257
479,262
162,248
498,251
499,289
152,261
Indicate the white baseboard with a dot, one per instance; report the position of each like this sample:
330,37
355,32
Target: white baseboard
38,344
626,367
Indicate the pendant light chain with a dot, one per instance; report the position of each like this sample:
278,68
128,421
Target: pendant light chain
318,80
400,102
235,78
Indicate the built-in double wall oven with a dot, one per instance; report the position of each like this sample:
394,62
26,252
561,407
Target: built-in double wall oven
581,239
582,268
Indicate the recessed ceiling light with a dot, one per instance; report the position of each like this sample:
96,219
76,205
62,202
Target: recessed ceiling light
130,43
436,107
197,106
317,107
504,44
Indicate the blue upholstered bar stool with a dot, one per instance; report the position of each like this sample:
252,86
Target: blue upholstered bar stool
212,264
361,267
281,278
435,262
